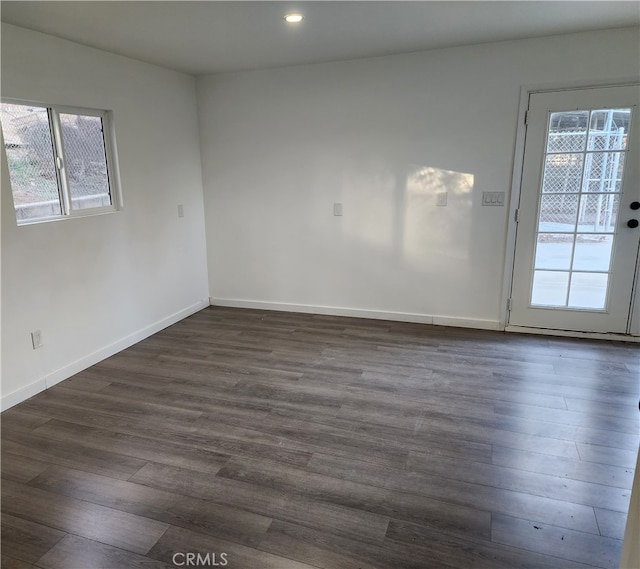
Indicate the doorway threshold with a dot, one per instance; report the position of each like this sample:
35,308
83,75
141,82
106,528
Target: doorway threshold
573,334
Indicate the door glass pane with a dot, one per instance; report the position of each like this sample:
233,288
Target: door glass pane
86,162
598,212
562,173
554,250
603,171
588,290
609,129
592,252
32,170
578,208
567,131
550,288
558,212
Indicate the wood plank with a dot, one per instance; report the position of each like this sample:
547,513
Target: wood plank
199,384
611,524
268,502
382,444
74,455
120,529
85,382
165,452
565,467
114,405
538,484
7,562
175,509
627,409
480,496
451,385
592,420
330,550
557,542
26,540
393,504
178,540
213,433
74,552
442,425
439,549
17,419
313,436
317,553
20,468
603,454
594,386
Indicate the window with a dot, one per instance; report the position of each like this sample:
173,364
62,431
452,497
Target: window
61,161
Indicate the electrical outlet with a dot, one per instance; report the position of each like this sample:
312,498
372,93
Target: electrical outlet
36,339
441,199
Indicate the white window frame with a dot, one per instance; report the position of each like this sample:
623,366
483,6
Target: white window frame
64,192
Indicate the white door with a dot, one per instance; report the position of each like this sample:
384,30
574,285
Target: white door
577,236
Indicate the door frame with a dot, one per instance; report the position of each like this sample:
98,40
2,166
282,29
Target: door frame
514,203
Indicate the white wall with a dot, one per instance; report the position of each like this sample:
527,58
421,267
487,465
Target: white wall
382,136
94,285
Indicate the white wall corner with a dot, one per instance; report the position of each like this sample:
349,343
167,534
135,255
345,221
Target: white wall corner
93,358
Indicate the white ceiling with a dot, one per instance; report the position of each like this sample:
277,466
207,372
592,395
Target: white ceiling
213,36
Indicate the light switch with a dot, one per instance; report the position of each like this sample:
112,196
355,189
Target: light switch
493,198
337,209
180,210
441,199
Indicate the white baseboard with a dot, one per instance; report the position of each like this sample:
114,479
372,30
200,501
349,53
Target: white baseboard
457,322
93,358
22,394
359,313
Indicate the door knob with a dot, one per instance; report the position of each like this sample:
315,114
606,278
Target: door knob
635,205
633,223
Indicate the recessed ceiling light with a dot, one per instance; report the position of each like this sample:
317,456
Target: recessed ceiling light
293,18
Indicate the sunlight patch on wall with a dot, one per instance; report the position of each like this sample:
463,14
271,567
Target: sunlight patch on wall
431,232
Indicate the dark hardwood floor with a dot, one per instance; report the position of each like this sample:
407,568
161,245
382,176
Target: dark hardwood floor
291,441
